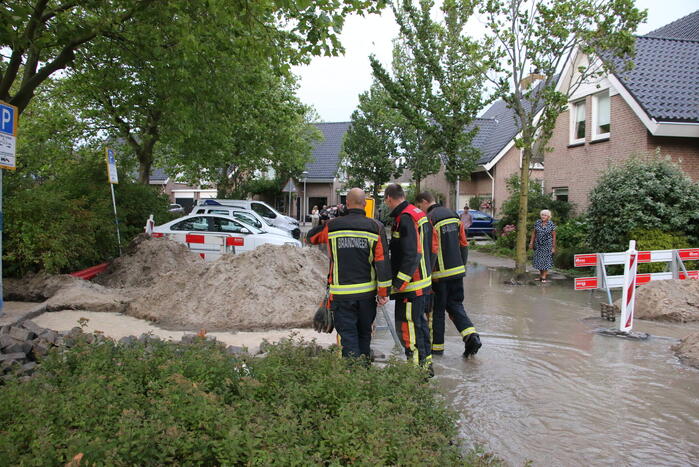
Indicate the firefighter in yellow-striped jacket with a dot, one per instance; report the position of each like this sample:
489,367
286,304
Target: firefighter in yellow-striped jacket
359,272
449,269
410,247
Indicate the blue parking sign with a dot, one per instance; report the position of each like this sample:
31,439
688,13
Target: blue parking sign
8,119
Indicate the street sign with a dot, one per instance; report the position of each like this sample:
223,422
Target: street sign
8,135
111,166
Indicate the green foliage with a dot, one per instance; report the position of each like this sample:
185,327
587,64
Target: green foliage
370,146
66,222
163,403
649,193
475,202
543,35
560,210
437,84
655,239
573,233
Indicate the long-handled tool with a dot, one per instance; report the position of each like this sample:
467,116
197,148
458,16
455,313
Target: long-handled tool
389,324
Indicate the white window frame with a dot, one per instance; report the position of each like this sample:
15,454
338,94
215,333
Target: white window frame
595,107
573,122
560,190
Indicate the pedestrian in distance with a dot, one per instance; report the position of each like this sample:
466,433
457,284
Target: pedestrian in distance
543,241
315,216
324,215
410,247
359,274
466,218
448,272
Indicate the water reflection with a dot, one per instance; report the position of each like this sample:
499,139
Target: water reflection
546,388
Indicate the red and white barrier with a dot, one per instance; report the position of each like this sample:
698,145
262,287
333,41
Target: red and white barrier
628,282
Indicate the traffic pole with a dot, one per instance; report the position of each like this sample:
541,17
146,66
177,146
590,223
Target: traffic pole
116,218
2,228
628,296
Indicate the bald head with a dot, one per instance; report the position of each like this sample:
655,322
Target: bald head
356,199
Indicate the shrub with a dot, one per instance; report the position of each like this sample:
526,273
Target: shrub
163,403
475,202
573,233
509,213
508,237
654,239
66,223
642,193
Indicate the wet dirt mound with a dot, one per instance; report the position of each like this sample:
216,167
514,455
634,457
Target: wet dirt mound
688,350
145,260
37,287
86,295
269,287
671,300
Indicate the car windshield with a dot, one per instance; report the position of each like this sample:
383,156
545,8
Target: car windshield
248,219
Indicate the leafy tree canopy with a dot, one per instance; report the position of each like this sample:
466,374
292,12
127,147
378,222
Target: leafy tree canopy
370,147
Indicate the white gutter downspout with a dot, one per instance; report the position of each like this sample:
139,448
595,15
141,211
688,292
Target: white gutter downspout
492,191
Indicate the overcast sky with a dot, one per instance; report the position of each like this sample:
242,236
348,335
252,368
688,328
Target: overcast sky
332,84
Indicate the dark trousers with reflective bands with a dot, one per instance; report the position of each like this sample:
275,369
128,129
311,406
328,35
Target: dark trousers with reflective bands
448,295
353,320
413,330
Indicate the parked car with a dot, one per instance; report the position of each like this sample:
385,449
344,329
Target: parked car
246,216
483,224
176,208
277,219
213,235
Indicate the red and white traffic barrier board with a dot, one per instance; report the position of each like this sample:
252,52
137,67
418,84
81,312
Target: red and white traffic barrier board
628,282
628,295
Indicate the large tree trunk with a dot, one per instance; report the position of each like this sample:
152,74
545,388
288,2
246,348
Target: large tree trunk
453,189
521,249
417,186
145,163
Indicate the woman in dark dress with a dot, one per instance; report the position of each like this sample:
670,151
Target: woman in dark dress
543,242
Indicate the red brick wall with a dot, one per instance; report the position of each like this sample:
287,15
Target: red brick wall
579,167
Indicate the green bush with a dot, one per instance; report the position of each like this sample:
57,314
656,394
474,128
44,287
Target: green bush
642,193
164,403
654,239
66,223
509,213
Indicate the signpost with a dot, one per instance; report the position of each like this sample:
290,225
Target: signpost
9,116
113,179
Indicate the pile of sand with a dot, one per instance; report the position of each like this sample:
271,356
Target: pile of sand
37,287
145,260
688,350
670,300
270,287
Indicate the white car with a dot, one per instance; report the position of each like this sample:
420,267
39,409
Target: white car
213,235
245,216
277,219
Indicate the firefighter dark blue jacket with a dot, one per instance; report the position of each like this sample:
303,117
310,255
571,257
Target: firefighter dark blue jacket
359,265
411,248
449,243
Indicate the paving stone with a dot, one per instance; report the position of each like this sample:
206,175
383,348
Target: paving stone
235,350
30,325
7,340
21,334
19,347
49,336
188,338
28,368
41,348
5,329
127,340
10,357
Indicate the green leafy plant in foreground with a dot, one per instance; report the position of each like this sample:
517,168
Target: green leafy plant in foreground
163,403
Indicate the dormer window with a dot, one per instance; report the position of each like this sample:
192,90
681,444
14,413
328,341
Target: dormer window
601,115
577,127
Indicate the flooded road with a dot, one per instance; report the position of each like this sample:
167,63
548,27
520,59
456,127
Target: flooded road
546,388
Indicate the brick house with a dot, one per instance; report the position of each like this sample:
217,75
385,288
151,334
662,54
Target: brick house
653,107
499,160
323,185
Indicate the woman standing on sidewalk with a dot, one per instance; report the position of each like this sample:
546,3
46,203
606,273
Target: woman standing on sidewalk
543,242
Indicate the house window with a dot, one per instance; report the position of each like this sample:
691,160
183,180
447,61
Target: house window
560,193
601,115
578,123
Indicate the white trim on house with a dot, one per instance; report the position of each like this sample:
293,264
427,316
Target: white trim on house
677,129
501,154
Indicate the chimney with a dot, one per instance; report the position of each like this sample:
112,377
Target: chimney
527,81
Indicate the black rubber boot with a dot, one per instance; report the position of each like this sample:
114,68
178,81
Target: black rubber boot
472,343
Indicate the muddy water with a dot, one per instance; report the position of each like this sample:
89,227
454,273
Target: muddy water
545,387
